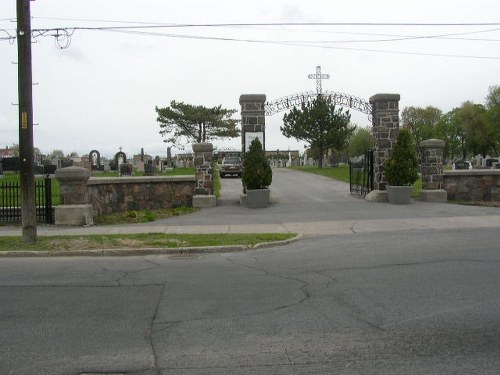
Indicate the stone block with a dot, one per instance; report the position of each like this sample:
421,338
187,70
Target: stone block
201,201
437,195
376,196
74,214
243,200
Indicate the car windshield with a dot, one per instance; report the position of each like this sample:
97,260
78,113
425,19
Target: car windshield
232,161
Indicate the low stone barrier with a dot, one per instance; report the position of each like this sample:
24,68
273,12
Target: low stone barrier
120,194
473,185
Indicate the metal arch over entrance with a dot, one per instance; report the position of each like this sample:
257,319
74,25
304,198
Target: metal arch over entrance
345,100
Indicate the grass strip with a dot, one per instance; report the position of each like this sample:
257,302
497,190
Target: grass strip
138,241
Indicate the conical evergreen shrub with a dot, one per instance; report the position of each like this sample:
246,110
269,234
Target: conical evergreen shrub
402,168
257,173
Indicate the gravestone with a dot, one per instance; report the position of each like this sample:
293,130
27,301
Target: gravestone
149,168
126,169
120,158
461,165
169,157
491,161
95,161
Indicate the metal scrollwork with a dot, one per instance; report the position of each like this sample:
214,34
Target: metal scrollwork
295,100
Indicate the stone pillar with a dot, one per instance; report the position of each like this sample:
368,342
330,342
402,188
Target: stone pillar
74,208
204,164
385,120
432,171
253,120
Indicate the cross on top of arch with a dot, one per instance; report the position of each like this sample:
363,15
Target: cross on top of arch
318,77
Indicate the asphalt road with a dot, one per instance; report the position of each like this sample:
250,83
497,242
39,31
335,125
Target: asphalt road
419,301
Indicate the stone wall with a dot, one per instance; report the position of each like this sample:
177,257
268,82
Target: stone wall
120,194
472,185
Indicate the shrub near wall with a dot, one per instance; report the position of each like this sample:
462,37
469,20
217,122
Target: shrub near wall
110,195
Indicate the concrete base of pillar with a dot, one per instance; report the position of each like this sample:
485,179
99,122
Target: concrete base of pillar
201,201
74,214
376,196
243,200
433,196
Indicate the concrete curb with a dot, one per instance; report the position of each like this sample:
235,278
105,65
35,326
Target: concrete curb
145,251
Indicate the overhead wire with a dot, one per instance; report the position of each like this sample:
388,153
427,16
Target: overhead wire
63,34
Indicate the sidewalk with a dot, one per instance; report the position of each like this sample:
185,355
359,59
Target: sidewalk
317,228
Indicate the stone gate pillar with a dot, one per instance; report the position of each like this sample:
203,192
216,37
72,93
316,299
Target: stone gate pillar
75,208
204,164
253,120
385,120
432,171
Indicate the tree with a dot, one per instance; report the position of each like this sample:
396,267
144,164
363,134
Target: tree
56,154
493,116
451,130
421,122
14,149
319,123
196,123
478,136
361,141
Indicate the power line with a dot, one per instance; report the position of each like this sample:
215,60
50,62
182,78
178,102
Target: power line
63,35
236,24
302,44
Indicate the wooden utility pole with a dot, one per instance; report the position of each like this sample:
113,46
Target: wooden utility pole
26,153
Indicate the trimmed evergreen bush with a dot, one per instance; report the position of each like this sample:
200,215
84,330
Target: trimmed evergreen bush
257,173
402,168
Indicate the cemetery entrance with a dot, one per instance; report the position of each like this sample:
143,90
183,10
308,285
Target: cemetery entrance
381,109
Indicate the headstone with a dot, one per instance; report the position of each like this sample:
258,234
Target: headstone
490,161
149,168
461,165
126,169
169,157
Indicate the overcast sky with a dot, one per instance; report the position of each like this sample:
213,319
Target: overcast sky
100,92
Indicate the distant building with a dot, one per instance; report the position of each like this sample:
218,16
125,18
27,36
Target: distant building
6,152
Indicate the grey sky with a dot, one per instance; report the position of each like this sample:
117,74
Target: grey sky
100,92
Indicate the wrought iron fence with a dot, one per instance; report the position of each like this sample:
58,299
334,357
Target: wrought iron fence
10,201
361,174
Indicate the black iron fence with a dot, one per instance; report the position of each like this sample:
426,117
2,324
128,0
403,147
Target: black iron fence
10,201
361,174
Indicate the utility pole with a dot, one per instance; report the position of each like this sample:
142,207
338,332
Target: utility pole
28,210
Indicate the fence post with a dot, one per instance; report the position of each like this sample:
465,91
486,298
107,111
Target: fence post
48,200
